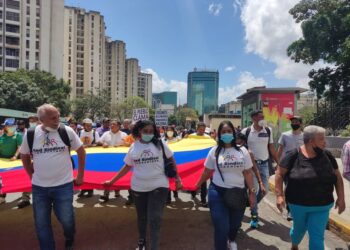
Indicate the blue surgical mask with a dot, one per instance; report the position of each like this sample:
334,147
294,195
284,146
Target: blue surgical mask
32,124
227,138
147,137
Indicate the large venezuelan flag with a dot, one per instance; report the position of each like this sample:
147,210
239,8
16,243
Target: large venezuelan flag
103,163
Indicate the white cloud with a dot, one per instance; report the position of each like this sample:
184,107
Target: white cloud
237,5
230,68
246,80
215,9
160,84
269,30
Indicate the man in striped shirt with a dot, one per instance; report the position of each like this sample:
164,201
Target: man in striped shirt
345,156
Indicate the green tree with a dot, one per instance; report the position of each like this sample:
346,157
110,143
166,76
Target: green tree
307,113
94,106
185,113
26,90
326,37
172,120
123,110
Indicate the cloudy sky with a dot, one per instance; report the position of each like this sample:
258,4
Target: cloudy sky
245,40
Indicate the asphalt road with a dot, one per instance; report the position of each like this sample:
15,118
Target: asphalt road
185,226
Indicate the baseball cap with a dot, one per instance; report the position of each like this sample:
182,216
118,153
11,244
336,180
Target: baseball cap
9,122
87,120
295,117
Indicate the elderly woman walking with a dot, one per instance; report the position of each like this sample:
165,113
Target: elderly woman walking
312,174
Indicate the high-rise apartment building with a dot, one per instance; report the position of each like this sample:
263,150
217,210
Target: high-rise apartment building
115,69
203,90
144,89
132,70
84,51
31,35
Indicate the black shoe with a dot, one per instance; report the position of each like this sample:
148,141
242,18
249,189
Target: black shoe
129,202
204,204
82,193
176,194
141,244
90,193
23,203
104,198
69,245
117,194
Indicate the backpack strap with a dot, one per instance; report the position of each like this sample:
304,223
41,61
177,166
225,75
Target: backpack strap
162,146
217,165
30,138
268,133
64,135
247,132
65,138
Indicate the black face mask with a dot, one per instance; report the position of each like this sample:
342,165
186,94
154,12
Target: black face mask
295,126
317,150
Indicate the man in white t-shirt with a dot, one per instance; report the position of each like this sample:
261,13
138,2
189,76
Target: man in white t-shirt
114,137
90,138
46,159
260,143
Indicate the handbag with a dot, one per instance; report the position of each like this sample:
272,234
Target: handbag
169,167
235,198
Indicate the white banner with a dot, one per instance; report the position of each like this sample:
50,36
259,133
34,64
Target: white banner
161,118
140,114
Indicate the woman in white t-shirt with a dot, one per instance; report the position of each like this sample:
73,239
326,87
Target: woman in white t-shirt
149,184
230,167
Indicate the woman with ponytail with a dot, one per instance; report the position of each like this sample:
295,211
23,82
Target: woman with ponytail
231,167
149,184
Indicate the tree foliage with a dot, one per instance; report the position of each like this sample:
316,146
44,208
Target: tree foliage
183,113
326,38
26,90
90,105
123,110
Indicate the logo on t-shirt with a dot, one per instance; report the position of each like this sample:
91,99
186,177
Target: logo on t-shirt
49,145
230,161
147,157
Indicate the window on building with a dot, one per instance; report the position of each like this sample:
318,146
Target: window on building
27,65
28,21
38,2
37,45
11,4
36,65
27,32
37,56
38,12
37,23
28,10
12,40
70,21
12,63
0,14
37,34
12,28
12,52
27,55
12,16
28,1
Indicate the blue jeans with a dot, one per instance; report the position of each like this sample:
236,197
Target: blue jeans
225,220
264,173
313,219
60,198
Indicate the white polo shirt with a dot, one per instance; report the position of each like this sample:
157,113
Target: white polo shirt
113,139
258,142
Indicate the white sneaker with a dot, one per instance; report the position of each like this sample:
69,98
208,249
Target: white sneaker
2,200
233,245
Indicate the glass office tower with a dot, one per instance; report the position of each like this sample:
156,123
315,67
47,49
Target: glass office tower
203,90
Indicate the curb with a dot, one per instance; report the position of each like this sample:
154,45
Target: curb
336,224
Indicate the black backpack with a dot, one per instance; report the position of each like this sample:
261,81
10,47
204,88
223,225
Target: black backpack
61,131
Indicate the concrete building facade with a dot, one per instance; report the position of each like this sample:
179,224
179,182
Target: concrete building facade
84,51
132,70
31,35
145,87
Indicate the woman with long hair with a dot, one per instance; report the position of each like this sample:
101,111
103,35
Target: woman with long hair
230,167
149,184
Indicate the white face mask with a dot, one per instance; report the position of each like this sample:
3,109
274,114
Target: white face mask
161,134
11,130
262,123
32,124
170,133
51,129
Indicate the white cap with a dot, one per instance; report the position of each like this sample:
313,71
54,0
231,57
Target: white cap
87,120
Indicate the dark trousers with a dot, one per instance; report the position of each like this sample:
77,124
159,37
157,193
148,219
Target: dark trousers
149,208
204,192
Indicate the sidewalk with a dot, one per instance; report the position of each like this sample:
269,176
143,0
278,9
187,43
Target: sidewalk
340,224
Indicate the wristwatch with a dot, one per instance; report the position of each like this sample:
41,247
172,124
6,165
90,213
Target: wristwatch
252,190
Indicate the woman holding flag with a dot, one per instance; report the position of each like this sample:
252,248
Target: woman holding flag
149,184
230,167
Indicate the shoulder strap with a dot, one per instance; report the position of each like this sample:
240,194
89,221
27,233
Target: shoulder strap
268,132
162,146
94,136
217,165
30,138
64,135
247,132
